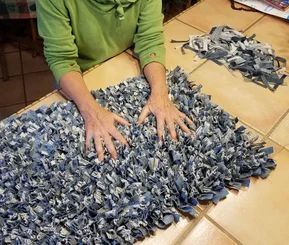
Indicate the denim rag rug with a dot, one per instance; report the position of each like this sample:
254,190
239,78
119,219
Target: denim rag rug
51,192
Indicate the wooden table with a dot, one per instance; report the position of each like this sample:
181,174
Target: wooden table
259,215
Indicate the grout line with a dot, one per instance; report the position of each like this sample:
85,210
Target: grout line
203,32
222,229
264,135
196,68
276,124
185,23
245,29
194,223
252,24
197,28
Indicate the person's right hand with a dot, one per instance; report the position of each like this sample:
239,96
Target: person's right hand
100,126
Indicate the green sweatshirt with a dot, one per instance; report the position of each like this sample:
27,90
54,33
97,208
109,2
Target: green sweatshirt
79,34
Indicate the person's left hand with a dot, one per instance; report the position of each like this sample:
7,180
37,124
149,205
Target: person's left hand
167,115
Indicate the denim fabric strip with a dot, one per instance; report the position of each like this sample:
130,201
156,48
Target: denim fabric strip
51,192
255,60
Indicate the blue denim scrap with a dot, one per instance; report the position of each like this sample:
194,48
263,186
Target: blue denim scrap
255,60
51,192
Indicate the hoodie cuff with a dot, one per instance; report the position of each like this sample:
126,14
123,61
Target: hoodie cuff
153,55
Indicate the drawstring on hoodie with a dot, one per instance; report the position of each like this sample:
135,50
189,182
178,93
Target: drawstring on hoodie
119,9
117,5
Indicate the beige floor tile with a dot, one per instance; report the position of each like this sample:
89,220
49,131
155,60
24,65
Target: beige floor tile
11,91
259,215
171,235
205,233
9,110
13,63
112,72
252,104
210,13
277,35
33,64
178,31
38,84
281,133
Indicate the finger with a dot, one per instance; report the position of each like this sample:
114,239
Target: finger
121,120
118,136
171,128
88,138
190,122
99,147
145,112
187,119
110,146
160,127
183,126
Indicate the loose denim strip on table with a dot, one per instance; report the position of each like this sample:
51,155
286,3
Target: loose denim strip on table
53,193
255,60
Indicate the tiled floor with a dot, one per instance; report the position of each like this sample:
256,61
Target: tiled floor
259,214
29,79
210,13
258,107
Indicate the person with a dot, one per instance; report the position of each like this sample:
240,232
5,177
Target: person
80,34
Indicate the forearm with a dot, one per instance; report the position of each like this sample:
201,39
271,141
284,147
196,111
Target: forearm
74,87
155,74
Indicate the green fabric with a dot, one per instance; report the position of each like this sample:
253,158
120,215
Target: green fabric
80,34
118,4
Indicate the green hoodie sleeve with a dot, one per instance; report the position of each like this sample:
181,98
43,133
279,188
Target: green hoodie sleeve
149,37
60,49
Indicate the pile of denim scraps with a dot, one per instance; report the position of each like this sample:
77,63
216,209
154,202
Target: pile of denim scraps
51,191
256,61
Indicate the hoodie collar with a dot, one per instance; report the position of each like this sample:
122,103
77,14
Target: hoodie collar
119,5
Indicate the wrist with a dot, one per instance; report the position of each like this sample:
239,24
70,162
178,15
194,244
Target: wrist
87,104
160,93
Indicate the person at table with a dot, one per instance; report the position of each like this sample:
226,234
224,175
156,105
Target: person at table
80,34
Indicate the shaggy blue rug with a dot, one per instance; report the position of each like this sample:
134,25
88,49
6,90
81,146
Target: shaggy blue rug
52,192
